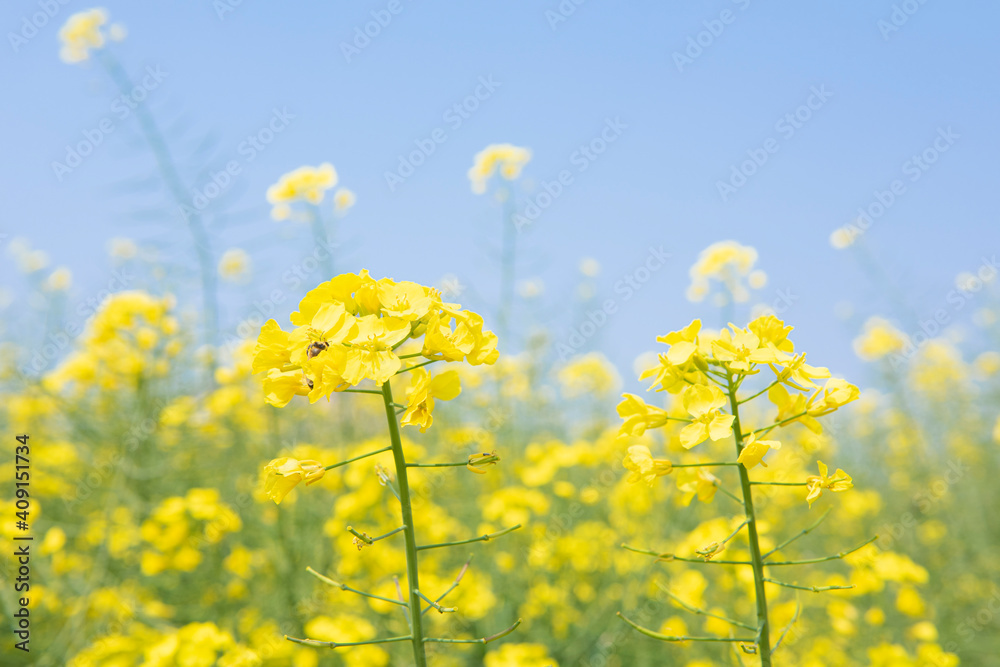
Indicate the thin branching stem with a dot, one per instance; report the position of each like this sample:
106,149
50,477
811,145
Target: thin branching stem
481,538
357,458
701,612
670,557
316,642
671,638
454,584
434,605
481,640
801,533
813,589
842,554
345,587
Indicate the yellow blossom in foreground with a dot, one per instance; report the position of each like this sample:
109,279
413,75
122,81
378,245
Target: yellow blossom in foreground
82,33
697,482
839,481
639,415
754,450
422,392
642,466
348,331
703,402
284,474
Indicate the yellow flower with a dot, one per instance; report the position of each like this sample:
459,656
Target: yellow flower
466,340
234,265
741,349
370,355
910,603
702,402
792,405
279,388
59,280
727,262
834,395
844,237
284,474
422,392
81,33
754,450
303,184
405,300
588,374
879,339
509,159
697,482
639,415
642,466
683,344
838,482
343,199
273,349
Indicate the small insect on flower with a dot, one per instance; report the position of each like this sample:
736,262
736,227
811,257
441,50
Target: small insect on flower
478,462
315,349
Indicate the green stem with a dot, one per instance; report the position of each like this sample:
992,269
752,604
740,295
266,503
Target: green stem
410,368
671,638
669,557
322,240
838,556
481,538
357,458
764,638
181,197
412,575
507,272
703,465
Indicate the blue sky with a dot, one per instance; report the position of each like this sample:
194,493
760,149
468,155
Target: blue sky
888,94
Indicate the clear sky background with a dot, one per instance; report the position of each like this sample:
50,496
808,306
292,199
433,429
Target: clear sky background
559,82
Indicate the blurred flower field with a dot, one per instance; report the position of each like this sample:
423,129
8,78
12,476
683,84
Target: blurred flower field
198,502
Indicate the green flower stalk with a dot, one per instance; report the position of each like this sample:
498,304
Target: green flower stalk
349,331
706,371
